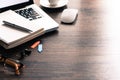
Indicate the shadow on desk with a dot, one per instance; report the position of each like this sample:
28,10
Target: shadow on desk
53,10
18,49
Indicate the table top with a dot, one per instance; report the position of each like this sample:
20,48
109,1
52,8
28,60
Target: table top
88,49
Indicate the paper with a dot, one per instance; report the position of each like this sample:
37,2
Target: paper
9,34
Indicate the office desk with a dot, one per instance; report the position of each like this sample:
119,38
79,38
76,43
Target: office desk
88,49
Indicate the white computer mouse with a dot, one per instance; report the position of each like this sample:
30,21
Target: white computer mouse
69,15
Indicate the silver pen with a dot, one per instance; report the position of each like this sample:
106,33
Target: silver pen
9,24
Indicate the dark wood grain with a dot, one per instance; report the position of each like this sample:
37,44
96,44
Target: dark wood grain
88,49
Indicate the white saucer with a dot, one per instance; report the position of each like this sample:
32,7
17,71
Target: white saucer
46,4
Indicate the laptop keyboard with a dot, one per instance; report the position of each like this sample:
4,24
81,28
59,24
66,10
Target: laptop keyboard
29,13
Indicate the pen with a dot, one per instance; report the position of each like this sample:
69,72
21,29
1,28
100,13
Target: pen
16,26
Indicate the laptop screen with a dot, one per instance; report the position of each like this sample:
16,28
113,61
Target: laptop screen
13,4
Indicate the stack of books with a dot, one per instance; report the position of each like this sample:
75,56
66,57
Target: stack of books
11,37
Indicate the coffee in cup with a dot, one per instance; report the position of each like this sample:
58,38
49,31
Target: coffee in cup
53,2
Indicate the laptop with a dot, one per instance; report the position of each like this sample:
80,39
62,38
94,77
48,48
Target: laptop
31,11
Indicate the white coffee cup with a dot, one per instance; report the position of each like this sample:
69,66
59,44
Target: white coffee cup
53,2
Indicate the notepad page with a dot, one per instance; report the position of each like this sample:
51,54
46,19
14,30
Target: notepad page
8,34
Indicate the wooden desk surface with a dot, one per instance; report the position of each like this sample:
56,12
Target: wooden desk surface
89,49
